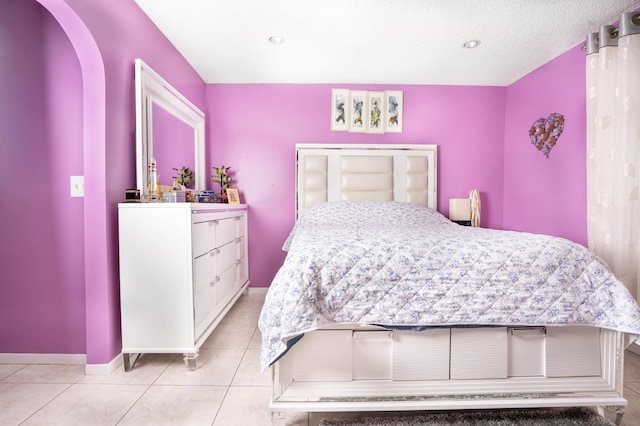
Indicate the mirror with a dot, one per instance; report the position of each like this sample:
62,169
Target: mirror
172,145
169,128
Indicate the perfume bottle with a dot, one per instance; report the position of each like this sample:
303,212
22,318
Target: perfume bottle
152,180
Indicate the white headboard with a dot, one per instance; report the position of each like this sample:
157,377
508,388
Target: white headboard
328,172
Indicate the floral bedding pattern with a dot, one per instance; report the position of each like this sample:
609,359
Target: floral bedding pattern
401,264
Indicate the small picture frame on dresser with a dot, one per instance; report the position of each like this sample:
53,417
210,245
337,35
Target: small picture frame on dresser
233,196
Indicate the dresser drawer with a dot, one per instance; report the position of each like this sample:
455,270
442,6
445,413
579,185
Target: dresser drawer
204,237
204,295
226,286
226,256
226,231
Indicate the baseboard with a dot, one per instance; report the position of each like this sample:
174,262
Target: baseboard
63,359
104,369
93,369
43,359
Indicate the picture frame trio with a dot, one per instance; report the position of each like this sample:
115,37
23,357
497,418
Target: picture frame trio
361,111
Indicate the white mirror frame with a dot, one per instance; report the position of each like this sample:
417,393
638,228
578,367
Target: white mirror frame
150,89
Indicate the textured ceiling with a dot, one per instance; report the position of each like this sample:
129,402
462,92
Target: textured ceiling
376,41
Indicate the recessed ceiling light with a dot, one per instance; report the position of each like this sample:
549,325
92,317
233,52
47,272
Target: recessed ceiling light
276,40
471,44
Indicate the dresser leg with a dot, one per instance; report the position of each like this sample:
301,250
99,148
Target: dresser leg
128,362
191,361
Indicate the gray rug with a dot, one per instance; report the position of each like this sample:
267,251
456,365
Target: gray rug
532,417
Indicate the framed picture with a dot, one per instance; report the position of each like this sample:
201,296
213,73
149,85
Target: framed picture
358,111
232,196
340,109
375,108
393,111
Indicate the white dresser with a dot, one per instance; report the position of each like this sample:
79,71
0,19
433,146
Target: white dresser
182,267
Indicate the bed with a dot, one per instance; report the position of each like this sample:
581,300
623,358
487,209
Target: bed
383,304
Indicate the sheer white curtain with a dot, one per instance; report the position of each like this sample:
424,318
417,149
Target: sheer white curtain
613,147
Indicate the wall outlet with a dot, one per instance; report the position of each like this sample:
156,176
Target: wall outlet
77,186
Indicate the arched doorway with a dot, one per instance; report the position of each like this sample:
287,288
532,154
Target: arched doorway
101,320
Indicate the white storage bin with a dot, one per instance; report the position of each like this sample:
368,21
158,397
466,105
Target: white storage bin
526,351
478,353
573,351
372,354
413,350
323,356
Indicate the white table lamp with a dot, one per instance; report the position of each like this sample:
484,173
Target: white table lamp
460,209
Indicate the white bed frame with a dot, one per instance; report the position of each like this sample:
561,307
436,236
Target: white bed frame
370,369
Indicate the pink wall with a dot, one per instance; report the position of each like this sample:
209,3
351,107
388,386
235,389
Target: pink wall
121,32
41,261
102,40
254,129
547,195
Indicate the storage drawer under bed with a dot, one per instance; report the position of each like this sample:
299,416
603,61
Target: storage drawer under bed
446,353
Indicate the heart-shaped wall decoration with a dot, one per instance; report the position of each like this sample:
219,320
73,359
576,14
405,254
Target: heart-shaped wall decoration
544,134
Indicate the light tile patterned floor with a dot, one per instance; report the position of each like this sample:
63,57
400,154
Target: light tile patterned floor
227,389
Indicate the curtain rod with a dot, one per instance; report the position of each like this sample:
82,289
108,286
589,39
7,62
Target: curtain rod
609,34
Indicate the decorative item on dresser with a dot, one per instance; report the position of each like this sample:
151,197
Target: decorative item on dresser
182,267
223,177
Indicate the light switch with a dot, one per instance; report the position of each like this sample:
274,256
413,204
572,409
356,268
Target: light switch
77,186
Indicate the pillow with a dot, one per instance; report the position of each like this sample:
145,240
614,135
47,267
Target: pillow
359,214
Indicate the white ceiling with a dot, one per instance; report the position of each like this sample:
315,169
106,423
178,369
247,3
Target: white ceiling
376,41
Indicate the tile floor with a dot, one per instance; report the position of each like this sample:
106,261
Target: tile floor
227,389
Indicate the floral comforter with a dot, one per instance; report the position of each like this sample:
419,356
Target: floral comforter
400,264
